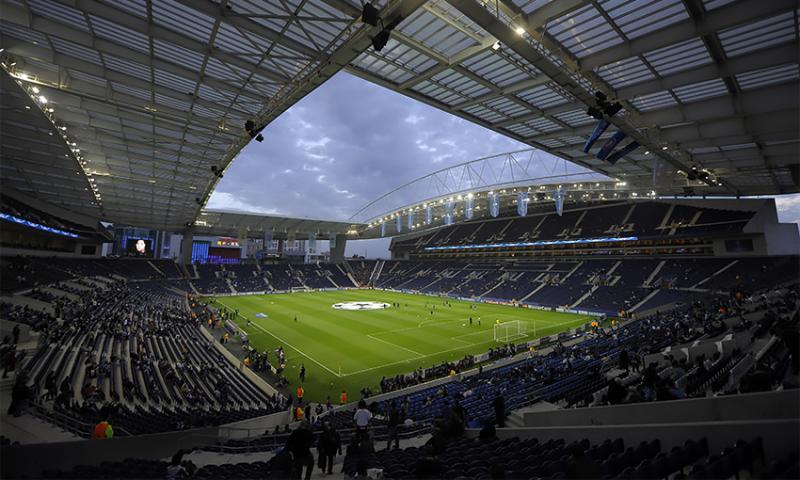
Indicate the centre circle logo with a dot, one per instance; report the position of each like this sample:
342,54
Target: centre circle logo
360,306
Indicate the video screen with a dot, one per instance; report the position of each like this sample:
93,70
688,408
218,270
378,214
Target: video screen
139,247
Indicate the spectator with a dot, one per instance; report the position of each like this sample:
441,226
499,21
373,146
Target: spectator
175,470
328,446
362,418
299,445
393,423
102,430
500,410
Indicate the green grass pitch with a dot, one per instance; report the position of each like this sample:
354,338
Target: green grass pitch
352,349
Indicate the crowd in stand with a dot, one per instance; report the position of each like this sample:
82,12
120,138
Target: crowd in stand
140,358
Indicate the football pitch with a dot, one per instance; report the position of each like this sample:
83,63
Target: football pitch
351,349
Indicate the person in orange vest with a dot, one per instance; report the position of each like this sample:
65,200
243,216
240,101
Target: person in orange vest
343,398
102,431
300,393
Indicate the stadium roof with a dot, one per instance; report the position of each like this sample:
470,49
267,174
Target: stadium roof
240,224
709,83
153,94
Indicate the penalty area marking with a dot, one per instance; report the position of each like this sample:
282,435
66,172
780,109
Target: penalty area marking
287,343
420,355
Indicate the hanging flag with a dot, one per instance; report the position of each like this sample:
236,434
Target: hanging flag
268,239
494,205
448,212
601,127
662,174
383,229
522,203
331,240
242,236
610,144
410,219
428,215
614,157
468,207
558,195
399,223
312,242
290,236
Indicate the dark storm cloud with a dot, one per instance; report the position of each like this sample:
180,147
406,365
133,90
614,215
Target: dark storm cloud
345,144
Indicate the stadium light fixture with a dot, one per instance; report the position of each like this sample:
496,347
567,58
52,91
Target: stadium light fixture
520,31
369,15
42,99
496,46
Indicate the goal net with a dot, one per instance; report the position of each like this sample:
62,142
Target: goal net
507,332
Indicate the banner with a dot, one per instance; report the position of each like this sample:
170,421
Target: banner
610,144
448,212
494,205
468,207
558,196
428,215
410,219
399,222
662,174
522,203
331,240
601,127
312,242
614,157
383,229
268,239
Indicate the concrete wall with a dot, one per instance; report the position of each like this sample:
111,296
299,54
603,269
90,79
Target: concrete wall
751,406
30,460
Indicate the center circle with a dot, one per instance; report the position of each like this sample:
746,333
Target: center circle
360,306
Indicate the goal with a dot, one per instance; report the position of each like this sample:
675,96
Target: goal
507,332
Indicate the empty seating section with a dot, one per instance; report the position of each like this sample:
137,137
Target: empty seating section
598,222
603,286
646,218
687,272
18,273
361,270
246,277
281,277
211,279
641,218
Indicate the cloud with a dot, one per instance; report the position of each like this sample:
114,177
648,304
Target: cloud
227,201
788,207
326,157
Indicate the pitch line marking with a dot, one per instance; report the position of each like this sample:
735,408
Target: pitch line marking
287,343
395,345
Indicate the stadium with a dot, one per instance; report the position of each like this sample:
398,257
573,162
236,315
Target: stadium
582,268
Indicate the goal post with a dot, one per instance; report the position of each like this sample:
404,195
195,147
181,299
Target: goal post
507,332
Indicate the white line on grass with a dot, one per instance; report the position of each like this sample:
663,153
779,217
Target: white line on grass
395,345
287,343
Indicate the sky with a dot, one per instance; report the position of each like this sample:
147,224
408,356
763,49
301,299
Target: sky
350,141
